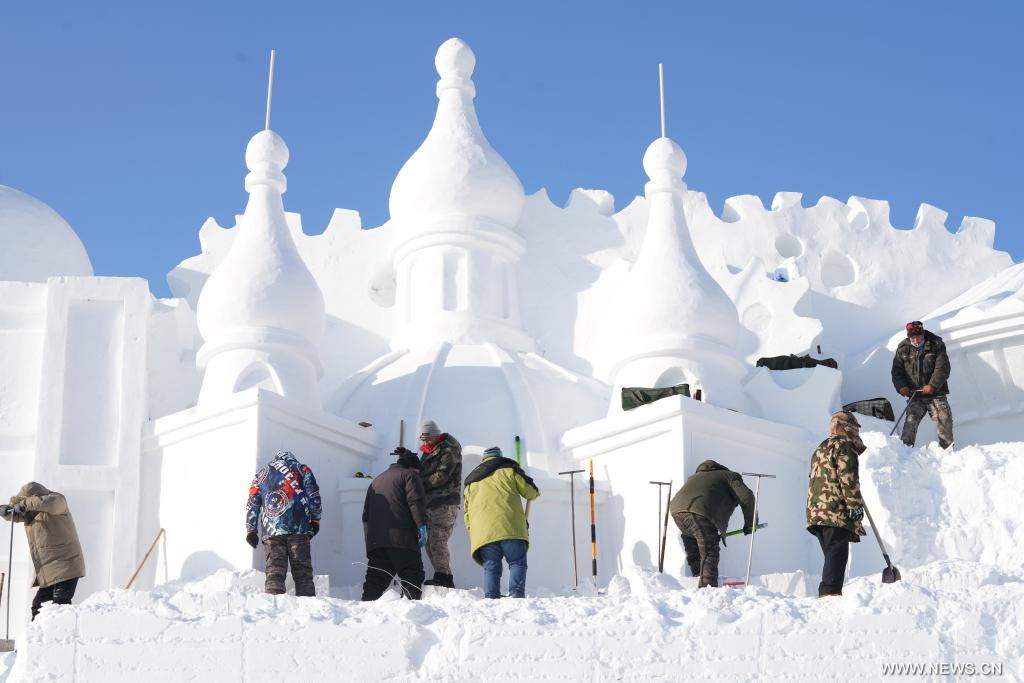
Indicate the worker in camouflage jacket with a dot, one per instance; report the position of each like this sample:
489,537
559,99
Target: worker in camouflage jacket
284,504
442,480
920,372
835,506
702,508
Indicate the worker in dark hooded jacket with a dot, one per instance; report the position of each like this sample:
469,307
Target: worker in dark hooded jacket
701,510
920,372
395,528
52,542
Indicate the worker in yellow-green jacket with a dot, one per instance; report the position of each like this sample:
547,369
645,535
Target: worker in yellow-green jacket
496,521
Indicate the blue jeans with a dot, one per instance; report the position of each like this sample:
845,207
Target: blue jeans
514,552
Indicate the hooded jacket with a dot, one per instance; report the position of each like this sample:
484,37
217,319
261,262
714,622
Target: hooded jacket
714,491
493,505
928,364
284,499
52,537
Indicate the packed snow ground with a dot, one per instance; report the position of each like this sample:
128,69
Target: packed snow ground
952,519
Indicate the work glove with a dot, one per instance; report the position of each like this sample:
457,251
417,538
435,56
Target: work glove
252,538
20,508
856,514
748,530
927,389
5,510
904,391
316,528
423,535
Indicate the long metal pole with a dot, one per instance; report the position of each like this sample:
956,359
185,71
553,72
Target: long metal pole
572,506
10,564
664,529
750,555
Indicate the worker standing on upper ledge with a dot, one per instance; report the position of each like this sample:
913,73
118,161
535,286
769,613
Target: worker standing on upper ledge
920,370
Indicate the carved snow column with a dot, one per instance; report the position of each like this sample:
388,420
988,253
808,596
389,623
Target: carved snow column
261,313
454,206
673,322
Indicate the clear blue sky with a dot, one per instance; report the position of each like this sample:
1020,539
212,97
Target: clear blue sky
131,119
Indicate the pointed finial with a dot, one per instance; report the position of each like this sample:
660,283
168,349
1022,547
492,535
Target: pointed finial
270,88
661,82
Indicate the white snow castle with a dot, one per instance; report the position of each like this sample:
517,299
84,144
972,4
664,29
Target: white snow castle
496,313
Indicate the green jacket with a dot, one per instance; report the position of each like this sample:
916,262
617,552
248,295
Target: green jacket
834,487
929,364
714,491
492,503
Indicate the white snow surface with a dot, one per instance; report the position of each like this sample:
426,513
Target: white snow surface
949,517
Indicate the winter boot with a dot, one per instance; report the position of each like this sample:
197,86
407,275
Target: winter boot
438,580
448,581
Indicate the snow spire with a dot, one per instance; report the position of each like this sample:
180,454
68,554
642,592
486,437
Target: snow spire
454,208
678,324
261,313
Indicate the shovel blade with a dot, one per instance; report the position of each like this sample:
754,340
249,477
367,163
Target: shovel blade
6,645
891,575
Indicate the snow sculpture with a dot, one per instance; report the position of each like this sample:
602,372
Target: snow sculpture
261,313
37,242
459,352
676,323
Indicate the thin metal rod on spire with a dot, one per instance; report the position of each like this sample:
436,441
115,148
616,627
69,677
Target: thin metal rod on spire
661,80
270,89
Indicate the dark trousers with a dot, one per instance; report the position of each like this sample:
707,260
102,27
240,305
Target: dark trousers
278,552
383,564
59,593
835,544
700,541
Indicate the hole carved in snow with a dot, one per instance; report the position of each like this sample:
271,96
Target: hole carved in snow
837,270
788,246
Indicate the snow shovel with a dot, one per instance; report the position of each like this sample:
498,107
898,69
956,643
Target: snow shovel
7,645
896,426
890,574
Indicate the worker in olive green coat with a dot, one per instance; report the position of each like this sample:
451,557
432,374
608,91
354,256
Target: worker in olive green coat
701,509
496,521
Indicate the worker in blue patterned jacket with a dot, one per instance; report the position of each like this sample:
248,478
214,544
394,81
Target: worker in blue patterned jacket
284,504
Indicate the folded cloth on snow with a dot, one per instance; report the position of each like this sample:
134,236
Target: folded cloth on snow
634,397
792,362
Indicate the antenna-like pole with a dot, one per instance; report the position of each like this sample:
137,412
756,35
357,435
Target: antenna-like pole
661,80
270,89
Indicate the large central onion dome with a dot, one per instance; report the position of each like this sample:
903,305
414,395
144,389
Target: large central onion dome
455,172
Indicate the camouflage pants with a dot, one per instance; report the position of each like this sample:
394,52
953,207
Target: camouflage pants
440,521
279,551
700,541
938,409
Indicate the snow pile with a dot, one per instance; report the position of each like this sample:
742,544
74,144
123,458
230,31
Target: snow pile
646,627
932,504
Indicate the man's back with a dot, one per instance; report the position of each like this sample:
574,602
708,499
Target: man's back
714,491
394,509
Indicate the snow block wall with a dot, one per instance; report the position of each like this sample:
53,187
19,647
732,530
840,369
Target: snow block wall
646,628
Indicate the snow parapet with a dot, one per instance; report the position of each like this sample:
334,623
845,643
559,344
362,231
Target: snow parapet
646,629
